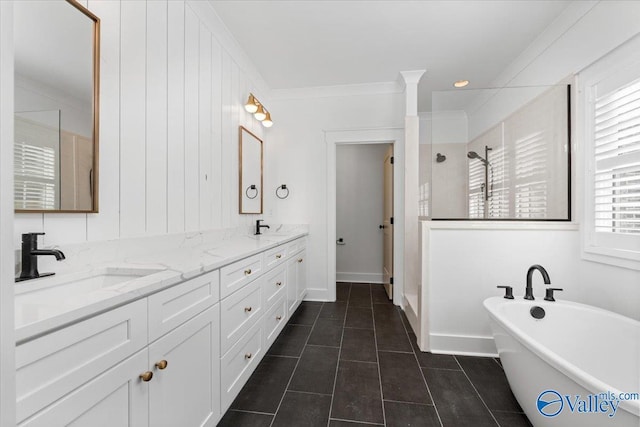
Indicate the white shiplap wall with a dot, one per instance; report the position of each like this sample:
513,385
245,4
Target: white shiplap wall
172,88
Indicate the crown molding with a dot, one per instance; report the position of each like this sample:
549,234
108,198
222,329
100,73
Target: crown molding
362,89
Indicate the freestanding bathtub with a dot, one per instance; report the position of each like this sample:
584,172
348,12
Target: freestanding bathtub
568,368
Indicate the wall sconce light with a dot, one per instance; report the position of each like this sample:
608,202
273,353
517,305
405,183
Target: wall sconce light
256,108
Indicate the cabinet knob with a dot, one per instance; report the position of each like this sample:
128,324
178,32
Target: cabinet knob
278,317
278,283
162,364
146,377
247,272
300,260
248,356
247,309
278,256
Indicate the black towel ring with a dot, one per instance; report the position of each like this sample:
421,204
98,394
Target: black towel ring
282,187
249,188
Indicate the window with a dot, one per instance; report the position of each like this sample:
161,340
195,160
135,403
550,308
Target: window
617,160
612,157
35,159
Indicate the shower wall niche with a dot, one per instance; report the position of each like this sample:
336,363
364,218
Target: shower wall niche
497,154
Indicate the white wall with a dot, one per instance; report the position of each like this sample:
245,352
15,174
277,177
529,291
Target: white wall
172,87
298,158
497,257
7,336
359,212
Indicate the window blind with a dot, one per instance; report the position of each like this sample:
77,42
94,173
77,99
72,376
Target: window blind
531,176
617,160
35,176
476,189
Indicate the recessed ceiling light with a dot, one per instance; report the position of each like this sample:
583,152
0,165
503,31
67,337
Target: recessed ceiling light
461,83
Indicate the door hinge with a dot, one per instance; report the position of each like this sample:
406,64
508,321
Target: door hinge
391,159
391,280
391,221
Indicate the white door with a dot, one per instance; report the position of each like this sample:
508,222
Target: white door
186,390
388,223
116,398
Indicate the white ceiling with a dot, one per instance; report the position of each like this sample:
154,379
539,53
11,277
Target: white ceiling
309,43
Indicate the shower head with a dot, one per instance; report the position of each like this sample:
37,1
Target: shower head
474,155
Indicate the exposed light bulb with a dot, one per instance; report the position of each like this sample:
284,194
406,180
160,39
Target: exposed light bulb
260,114
251,106
267,122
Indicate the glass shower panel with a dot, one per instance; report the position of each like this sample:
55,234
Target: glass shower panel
497,154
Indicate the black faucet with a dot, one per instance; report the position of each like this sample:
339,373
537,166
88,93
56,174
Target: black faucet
259,226
30,253
545,276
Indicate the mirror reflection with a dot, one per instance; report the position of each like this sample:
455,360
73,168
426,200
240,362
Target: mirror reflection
497,154
55,153
250,172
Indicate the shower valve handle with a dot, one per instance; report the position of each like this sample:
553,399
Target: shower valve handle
508,291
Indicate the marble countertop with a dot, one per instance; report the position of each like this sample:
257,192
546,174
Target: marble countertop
145,267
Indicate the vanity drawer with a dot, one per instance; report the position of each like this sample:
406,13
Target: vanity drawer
273,286
239,363
238,274
174,306
238,313
274,320
275,256
55,364
292,247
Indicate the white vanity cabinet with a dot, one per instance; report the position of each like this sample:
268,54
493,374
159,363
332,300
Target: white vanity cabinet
296,279
177,357
106,371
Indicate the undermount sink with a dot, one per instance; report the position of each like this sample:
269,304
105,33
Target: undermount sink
45,297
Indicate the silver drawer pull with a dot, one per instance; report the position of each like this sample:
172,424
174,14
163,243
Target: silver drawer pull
278,283
247,309
247,272
248,356
278,317
278,256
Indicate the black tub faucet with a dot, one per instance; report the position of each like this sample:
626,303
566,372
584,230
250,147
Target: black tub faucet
260,226
545,276
30,254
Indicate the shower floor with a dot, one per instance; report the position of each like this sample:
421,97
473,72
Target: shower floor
355,363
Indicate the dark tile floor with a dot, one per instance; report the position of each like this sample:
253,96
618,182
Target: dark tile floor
355,362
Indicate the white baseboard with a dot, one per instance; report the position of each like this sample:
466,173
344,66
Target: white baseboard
317,295
462,345
359,277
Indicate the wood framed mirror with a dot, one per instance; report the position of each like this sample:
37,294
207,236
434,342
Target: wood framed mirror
56,107
250,190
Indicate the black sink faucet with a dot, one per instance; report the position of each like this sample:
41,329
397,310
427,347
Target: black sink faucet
30,254
545,276
260,226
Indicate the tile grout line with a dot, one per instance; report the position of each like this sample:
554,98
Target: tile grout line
424,379
477,392
295,367
375,338
335,378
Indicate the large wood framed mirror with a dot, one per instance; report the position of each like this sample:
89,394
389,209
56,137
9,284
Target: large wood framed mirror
250,172
56,106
